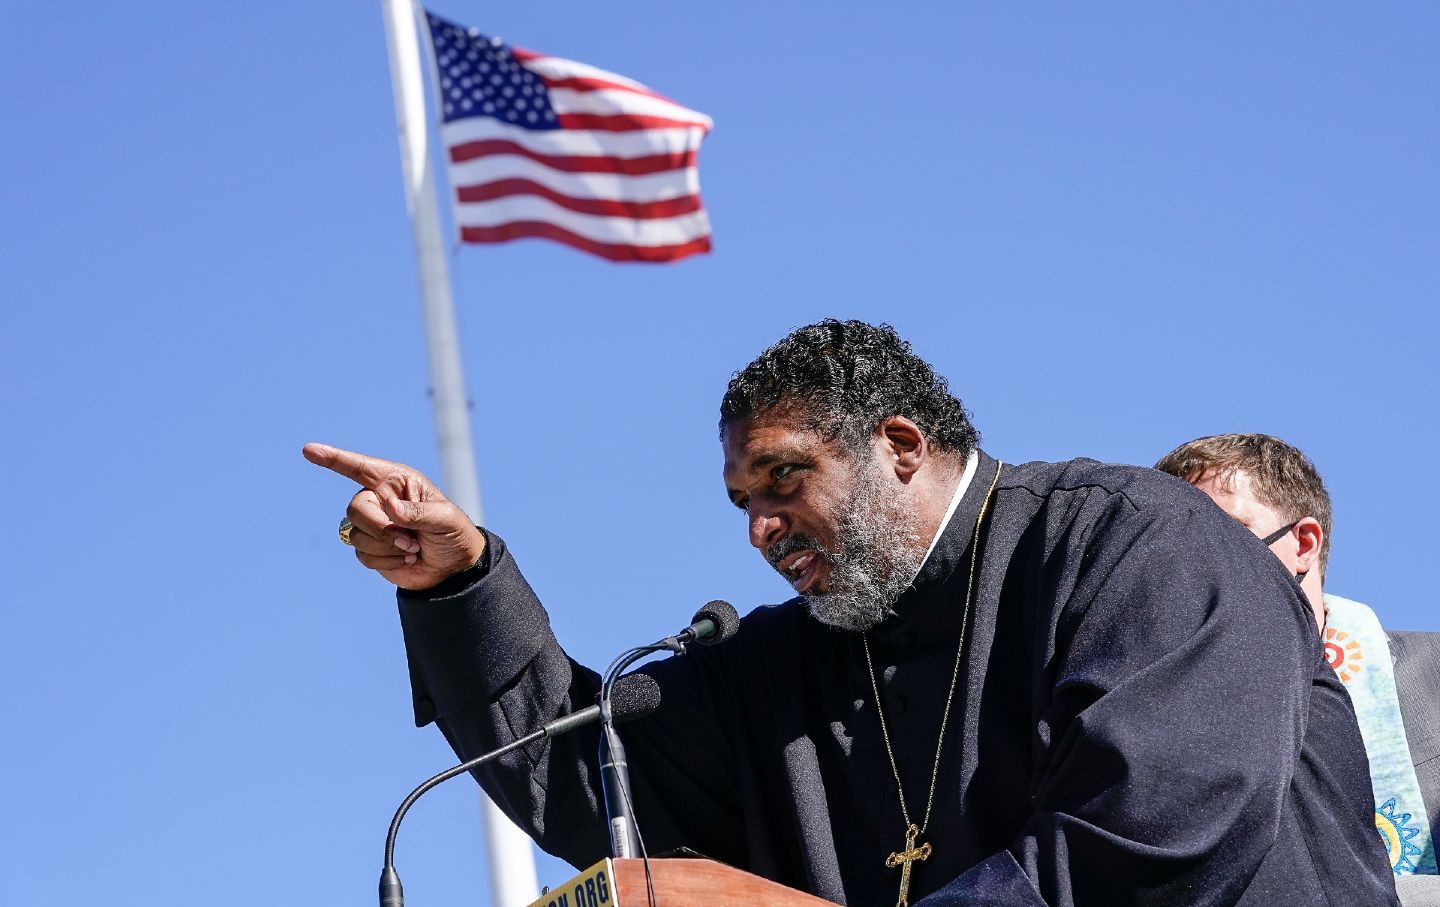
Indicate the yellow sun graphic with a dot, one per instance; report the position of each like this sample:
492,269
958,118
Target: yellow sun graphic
1395,830
1343,653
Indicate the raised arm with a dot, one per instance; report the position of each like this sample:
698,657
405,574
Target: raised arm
486,669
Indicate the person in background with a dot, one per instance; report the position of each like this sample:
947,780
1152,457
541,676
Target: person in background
1274,490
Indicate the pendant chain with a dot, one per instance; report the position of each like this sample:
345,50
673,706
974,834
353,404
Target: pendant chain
954,676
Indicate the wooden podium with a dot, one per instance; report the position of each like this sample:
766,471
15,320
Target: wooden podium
678,883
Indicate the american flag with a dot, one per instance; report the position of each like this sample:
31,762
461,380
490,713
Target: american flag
548,147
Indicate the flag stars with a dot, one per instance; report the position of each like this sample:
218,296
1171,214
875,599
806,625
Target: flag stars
479,76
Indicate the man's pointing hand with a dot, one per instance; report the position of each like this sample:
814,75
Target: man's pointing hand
404,528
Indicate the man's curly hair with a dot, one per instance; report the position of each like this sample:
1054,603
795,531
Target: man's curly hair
842,379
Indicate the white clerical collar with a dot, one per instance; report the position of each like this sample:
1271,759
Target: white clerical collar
971,464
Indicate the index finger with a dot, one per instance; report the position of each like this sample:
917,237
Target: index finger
368,471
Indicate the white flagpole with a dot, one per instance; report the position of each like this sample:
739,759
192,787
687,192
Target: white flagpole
511,857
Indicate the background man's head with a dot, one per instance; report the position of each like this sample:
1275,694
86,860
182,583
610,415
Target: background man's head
838,443
1268,486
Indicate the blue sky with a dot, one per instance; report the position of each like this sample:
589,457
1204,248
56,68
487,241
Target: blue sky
1114,227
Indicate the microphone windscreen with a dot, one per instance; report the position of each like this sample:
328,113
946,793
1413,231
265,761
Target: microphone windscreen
634,696
725,618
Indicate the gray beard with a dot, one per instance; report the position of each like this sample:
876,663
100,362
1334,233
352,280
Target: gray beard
879,555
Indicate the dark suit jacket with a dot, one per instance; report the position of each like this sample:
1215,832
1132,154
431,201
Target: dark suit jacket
1417,677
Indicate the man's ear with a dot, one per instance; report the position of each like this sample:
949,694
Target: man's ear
903,444
1311,538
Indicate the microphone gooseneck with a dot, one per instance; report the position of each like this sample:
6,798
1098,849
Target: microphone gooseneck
621,699
634,696
714,623
614,772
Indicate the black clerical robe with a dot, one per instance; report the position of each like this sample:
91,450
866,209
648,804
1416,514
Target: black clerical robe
1144,716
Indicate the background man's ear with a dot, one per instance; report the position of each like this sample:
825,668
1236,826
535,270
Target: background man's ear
1312,539
903,444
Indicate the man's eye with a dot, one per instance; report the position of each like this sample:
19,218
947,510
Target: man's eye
780,472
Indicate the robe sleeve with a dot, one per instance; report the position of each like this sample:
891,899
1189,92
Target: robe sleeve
486,668
1169,723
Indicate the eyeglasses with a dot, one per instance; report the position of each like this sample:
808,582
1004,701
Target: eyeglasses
1278,534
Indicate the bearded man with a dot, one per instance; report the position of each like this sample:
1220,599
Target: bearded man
1048,684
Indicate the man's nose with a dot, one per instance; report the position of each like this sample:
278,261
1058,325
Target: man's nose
766,529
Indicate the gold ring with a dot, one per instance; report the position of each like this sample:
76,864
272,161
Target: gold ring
345,527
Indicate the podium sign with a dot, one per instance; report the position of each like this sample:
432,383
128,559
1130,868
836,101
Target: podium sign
591,888
622,883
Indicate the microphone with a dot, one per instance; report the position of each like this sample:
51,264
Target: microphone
712,624
632,696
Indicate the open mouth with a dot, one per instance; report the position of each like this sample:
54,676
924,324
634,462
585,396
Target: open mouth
800,569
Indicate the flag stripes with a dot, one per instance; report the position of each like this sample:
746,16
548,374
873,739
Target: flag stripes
551,148
575,163
603,206
612,251
662,186
565,142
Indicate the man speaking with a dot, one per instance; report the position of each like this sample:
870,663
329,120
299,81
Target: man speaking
1046,684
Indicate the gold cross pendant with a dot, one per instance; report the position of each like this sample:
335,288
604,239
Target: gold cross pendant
904,858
